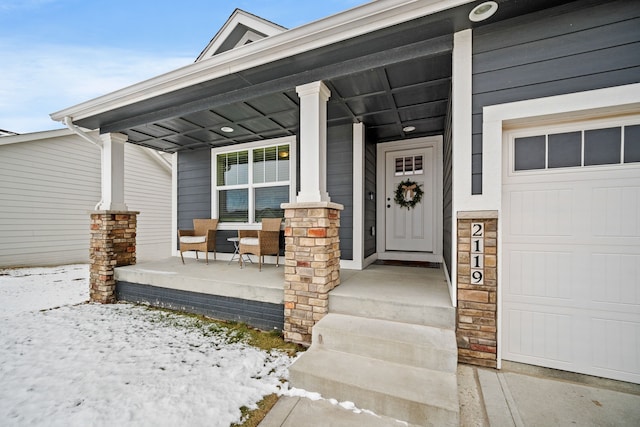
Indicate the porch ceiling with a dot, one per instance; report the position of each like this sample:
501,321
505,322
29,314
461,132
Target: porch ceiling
385,99
389,79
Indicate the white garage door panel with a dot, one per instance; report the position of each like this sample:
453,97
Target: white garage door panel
616,211
535,336
541,212
571,270
619,343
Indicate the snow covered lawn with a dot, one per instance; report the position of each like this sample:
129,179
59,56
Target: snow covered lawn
102,365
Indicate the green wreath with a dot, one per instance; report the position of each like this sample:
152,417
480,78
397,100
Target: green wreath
408,194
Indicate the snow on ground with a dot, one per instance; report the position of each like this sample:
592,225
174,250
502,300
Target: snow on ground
29,289
99,365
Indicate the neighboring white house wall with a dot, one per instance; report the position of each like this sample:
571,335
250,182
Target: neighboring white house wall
50,181
147,189
47,186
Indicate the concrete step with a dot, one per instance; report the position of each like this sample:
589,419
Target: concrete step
378,306
418,396
416,345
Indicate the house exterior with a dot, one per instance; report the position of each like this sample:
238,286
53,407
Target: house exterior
50,180
517,122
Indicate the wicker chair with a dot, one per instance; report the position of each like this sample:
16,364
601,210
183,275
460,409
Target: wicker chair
261,242
201,238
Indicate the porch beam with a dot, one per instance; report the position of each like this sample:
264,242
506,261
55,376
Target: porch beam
431,47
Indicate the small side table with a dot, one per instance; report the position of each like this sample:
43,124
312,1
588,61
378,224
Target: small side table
236,251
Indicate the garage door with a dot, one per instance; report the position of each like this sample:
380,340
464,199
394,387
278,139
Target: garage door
571,248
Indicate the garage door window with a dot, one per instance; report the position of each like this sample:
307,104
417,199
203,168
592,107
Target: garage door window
632,144
592,147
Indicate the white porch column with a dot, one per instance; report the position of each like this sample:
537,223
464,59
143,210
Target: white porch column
313,142
113,172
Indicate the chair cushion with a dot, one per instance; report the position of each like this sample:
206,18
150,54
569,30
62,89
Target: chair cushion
193,239
249,241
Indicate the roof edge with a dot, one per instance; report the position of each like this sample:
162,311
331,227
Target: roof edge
34,136
238,17
336,28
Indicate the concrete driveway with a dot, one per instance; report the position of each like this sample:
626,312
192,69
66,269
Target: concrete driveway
524,395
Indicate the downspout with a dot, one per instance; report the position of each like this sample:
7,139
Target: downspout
68,121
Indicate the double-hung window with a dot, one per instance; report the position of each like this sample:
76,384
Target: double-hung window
252,181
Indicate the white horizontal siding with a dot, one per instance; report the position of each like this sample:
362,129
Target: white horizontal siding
48,187
147,190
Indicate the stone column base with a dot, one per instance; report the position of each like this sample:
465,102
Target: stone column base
113,244
312,265
476,325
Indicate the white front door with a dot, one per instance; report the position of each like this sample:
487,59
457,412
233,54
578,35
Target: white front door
410,229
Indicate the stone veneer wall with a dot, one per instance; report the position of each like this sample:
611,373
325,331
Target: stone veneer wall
312,265
476,326
113,244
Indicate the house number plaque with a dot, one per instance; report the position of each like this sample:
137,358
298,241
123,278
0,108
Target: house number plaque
477,253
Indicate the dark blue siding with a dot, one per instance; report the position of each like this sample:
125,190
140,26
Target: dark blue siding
262,315
194,187
340,182
369,205
572,48
447,193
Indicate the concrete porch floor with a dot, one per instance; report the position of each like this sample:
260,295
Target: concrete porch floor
216,278
408,285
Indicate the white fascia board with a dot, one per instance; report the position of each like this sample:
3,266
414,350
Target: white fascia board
337,28
239,17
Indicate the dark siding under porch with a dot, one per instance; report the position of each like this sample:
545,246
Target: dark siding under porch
261,315
194,187
447,193
580,46
340,182
370,158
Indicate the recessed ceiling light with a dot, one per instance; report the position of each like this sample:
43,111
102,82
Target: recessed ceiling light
408,128
483,11
226,129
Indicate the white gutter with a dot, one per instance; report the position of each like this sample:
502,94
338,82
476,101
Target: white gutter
333,29
75,129
90,139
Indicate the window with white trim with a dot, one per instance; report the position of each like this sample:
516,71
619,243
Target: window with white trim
250,183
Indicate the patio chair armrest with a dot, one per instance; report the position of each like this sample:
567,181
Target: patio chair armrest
186,233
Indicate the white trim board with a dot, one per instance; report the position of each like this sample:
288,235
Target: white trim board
461,100
358,196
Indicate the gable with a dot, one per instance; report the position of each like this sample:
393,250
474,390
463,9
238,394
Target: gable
240,29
